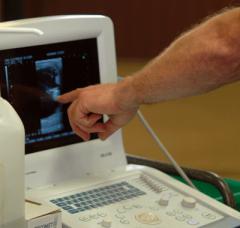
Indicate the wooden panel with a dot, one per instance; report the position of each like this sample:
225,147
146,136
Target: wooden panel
1,10
11,9
143,28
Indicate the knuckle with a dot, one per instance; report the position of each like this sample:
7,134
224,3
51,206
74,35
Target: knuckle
78,91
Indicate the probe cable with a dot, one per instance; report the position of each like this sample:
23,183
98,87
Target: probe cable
164,150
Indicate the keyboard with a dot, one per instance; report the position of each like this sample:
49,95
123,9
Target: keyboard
97,197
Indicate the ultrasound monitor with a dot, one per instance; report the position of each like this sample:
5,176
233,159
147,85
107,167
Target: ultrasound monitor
33,77
41,59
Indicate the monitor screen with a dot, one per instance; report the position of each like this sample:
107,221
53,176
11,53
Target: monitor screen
33,77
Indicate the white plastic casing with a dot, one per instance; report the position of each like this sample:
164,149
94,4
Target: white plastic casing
12,143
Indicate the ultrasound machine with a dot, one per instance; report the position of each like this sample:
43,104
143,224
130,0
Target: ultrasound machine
90,182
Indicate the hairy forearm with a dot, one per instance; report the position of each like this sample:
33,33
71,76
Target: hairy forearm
198,61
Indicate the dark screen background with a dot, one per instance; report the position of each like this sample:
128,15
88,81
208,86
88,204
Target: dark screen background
32,78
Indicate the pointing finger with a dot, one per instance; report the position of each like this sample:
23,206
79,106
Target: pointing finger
68,97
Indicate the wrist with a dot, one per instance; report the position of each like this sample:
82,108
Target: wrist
127,94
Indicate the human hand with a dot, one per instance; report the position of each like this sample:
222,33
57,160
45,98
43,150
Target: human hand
90,103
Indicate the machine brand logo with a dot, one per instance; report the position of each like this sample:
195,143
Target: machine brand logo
106,154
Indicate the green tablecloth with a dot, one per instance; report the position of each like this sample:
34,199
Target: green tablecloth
213,192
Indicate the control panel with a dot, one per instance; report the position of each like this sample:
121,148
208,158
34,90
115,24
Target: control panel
138,202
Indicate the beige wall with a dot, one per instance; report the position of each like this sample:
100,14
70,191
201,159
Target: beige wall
201,132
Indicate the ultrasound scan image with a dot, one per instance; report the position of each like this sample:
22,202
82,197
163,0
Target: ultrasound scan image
49,75
31,79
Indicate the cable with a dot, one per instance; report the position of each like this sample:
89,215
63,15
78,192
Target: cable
164,150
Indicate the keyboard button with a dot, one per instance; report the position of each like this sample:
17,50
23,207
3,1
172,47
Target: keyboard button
99,197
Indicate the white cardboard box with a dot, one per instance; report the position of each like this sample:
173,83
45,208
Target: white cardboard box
42,216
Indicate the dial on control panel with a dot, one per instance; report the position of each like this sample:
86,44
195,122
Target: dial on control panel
188,202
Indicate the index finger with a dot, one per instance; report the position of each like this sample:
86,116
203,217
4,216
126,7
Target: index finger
68,97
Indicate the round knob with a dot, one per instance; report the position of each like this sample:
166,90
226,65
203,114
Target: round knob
164,200
189,202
